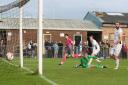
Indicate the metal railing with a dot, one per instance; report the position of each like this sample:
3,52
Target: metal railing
58,52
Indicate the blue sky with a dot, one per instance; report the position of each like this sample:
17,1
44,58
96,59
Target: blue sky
72,9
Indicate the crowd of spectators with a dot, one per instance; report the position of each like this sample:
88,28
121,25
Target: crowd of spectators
54,49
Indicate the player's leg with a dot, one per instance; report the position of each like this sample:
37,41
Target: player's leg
99,66
80,65
63,59
95,52
64,56
117,62
97,59
116,55
71,50
112,51
91,58
91,66
90,61
83,62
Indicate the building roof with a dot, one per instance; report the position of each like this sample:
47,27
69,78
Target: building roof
49,24
17,3
112,17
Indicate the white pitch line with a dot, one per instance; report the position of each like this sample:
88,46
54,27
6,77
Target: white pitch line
27,69
48,80
10,63
43,77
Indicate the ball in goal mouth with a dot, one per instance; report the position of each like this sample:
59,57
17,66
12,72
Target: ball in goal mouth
10,56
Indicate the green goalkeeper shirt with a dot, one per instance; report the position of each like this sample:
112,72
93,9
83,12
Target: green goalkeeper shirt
84,61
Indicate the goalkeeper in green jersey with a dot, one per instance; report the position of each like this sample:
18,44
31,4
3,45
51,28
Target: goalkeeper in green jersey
84,63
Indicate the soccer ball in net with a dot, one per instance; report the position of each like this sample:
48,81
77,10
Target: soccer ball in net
10,56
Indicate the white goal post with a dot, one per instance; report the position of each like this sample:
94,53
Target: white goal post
40,37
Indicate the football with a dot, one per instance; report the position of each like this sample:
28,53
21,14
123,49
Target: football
10,56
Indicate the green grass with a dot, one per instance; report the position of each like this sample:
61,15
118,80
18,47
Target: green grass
65,74
11,75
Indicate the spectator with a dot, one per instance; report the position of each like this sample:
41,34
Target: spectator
101,53
85,49
56,47
52,49
2,48
46,48
80,48
60,51
24,49
29,48
49,45
104,46
106,49
124,50
127,50
33,49
108,46
107,42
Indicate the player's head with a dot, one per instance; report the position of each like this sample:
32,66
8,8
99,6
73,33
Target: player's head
117,25
91,37
66,36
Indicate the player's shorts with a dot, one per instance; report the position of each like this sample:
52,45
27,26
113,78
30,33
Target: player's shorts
68,49
96,51
84,65
117,49
112,51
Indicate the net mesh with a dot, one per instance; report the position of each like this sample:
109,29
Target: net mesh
9,36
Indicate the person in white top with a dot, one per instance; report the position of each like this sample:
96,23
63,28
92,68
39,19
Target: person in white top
95,49
117,44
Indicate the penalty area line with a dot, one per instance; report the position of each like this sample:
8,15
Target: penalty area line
30,71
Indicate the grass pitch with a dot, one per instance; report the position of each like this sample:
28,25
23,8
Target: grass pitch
65,74
11,75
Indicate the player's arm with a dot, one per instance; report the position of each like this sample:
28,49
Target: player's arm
73,42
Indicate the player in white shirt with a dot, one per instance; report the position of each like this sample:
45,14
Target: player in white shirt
95,49
117,44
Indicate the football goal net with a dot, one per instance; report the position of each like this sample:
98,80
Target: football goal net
21,40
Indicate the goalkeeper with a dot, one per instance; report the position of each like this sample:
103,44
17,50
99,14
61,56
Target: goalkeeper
84,63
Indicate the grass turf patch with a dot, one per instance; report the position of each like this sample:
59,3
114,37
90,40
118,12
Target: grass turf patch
65,74
11,75
68,75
